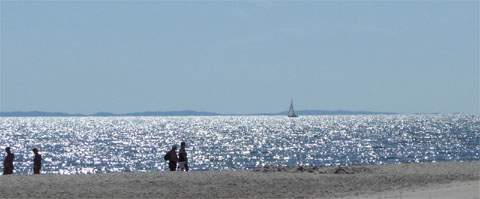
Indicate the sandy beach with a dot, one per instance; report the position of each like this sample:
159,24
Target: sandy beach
466,190
427,180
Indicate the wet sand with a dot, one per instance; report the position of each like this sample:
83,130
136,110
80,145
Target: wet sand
429,180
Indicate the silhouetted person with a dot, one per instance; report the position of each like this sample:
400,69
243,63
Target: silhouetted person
172,158
182,158
8,162
37,161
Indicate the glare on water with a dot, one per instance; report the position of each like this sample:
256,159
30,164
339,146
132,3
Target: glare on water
71,145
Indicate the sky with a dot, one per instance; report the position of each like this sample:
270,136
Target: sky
239,57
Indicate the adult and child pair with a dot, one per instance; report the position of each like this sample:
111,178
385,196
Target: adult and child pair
10,157
174,161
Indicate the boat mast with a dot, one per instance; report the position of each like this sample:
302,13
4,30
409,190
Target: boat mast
291,112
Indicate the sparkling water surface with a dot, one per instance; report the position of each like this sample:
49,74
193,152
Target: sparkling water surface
72,145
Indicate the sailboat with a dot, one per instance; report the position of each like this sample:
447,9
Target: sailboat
291,112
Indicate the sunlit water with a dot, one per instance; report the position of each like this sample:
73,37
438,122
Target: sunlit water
72,145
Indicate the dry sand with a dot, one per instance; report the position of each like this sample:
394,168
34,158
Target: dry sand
432,180
453,190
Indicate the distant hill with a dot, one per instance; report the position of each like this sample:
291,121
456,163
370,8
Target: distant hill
336,112
172,113
36,114
104,114
179,113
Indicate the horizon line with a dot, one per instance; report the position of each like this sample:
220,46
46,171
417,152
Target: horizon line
208,113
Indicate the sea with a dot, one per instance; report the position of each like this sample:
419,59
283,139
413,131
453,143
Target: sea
86,145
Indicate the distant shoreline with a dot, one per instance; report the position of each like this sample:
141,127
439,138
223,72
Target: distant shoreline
185,113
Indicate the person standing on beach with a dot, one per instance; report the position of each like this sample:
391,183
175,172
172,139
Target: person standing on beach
172,158
37,161
182,158
8,162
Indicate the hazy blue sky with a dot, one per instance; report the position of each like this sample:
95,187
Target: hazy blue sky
236,57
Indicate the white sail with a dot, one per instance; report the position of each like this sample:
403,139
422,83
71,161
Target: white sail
291,112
